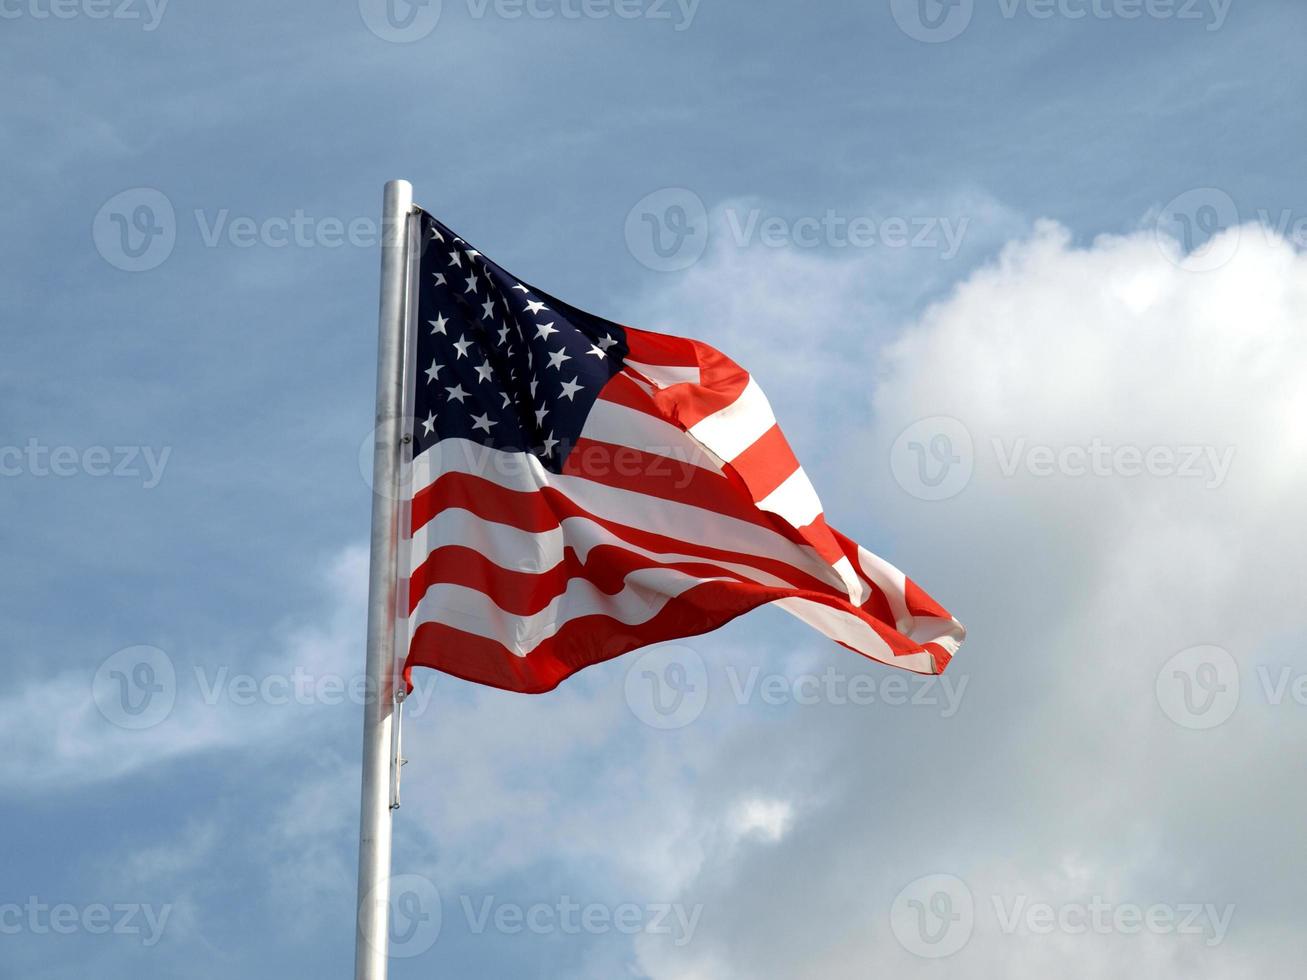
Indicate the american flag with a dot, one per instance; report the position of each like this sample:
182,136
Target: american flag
580,489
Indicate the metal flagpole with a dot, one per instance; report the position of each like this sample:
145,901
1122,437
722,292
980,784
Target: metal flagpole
372,940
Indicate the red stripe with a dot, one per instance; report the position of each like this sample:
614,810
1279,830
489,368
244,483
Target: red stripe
621,390
628,468
606,567
545,509
920,604
661,348
721,380
593,639
766,464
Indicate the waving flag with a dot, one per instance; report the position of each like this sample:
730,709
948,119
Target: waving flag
580,489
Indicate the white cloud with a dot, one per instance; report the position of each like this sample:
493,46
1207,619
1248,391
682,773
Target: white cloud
1061,778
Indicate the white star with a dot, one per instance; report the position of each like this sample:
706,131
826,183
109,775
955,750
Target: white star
456,393
461,346
556,358
570,388
503,333
507,399
436,235
488,309
550,443
483,422
455,258
473,253
433,371
597,352
440,278
471,283
606,341
429,425
438,324
534,385
543,330
533,307
521,287
540,415
484,372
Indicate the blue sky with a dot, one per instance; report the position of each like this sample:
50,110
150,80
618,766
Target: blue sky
1068,147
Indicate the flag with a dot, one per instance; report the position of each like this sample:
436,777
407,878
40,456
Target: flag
580,489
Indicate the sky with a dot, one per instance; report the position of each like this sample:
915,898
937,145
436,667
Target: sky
1024,282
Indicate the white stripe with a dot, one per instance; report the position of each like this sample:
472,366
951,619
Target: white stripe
646,592
733,429
849,629
666,375
538,552
622,426
672,518
795,500
892,583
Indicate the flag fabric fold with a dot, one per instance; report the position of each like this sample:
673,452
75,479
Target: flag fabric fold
580,489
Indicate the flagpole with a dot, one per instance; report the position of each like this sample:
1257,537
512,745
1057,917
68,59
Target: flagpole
372,939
